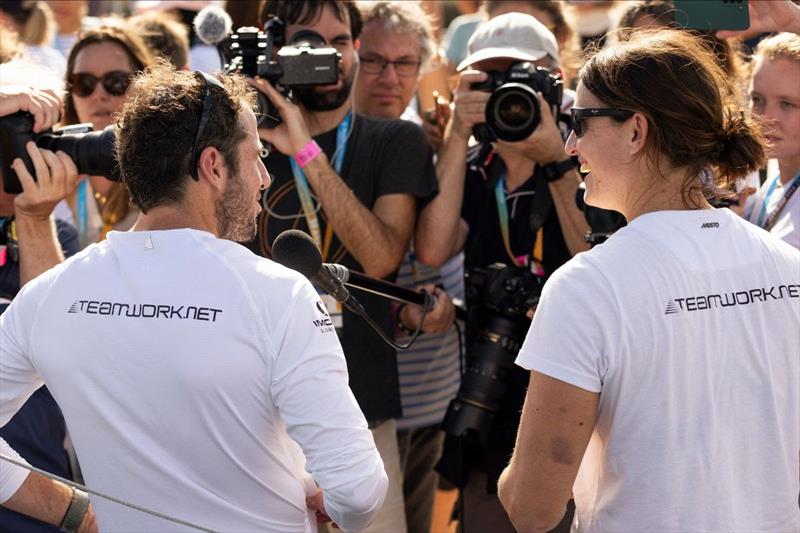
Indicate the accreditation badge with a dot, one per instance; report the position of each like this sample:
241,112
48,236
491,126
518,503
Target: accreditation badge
334,308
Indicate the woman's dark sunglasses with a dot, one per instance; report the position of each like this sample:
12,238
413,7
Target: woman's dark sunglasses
579,114
115,83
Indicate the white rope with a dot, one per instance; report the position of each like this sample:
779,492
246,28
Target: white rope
104,496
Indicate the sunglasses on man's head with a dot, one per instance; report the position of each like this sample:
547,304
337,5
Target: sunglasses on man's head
115,83
579,114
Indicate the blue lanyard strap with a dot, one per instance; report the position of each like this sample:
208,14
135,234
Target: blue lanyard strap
301,182
83,215
773,217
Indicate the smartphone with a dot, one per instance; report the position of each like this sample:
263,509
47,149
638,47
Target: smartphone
712,15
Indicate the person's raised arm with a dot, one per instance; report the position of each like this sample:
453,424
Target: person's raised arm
56,176
377,238
440,233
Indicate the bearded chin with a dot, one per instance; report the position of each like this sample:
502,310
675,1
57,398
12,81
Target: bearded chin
314,101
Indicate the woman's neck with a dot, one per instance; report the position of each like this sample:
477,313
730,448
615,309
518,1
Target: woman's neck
666,193
788,169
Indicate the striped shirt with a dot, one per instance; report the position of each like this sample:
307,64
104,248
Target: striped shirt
429,370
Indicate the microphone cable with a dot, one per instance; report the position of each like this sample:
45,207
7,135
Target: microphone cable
84,488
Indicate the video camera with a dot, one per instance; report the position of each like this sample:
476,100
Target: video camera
512,112
92,151
498,299
304,60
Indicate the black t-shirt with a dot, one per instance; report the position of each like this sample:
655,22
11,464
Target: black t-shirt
484,246
383,157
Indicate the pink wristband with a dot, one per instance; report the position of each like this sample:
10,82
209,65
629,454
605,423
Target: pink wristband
307,153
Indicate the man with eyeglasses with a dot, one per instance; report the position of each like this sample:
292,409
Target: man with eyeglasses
500,202
353,183
396,45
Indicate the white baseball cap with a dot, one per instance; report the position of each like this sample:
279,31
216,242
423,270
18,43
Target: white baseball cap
511,35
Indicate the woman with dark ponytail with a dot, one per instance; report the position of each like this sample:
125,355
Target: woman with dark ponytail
675,406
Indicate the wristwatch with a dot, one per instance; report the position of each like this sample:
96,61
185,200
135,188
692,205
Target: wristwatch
76,511
554,171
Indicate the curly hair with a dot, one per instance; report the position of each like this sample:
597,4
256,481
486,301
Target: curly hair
157,126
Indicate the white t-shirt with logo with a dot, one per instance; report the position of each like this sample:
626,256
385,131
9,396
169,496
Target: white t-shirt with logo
688,325
189,370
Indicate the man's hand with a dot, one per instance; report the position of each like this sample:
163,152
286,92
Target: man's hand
56,177
317,504
45,106
437,320
545,144
291,135
469,107
775,15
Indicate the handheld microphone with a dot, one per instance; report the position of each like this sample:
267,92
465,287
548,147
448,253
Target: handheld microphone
297,250
212,25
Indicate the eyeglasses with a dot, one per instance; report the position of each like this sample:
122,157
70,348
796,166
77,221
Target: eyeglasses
115,83
377,64
579,114
205,114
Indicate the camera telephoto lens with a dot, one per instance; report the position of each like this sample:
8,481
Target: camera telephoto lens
92,152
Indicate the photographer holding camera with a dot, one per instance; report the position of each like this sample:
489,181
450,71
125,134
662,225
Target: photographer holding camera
353,183
508,199
31,242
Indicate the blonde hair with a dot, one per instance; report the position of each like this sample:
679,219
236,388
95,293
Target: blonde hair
35,23
781,45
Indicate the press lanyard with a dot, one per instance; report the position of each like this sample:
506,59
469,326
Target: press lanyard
770,221
83,217
303,191
502,212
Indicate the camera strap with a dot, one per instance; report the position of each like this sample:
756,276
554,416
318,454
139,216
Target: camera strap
538,216
303,191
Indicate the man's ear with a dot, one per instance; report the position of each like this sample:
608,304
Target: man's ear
637,133
356,44
211,167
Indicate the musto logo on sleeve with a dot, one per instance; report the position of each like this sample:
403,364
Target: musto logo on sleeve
157,311
729,299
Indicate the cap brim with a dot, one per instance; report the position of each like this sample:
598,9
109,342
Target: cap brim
494,53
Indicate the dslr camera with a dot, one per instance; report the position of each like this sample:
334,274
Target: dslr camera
304,60
512,112
498,298
92,151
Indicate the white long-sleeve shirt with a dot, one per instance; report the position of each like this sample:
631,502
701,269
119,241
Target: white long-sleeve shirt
198,380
